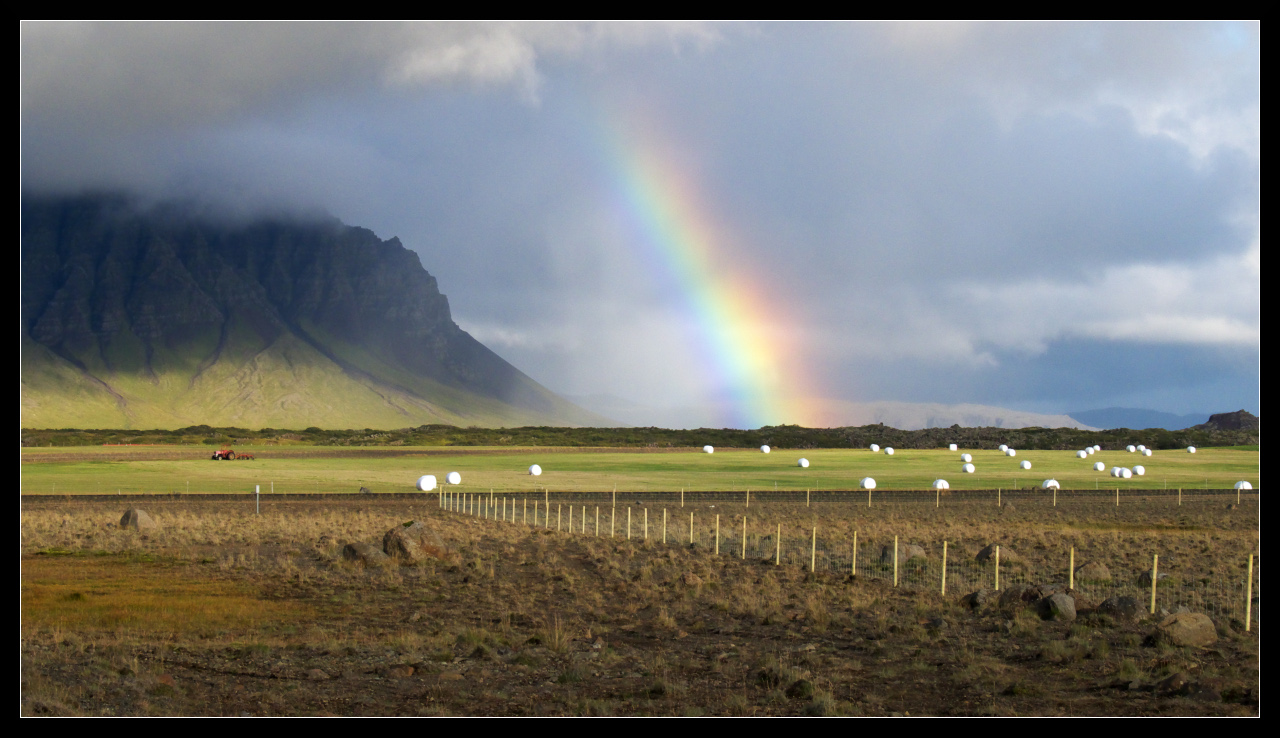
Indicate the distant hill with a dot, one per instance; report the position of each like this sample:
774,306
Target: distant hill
1132,417
166,319
1241,420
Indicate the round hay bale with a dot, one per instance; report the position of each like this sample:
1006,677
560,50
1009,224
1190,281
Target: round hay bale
968,468
708,449
1004,447
764,449
1130,448
453,478
952,447
1141,447
941,484
875,448
1091,450
888,451
137,519
803,463
1050,484
868,483
1126,473
1025,465
1010,452
966,458
1243,485
1099,466
1146,452
1191,449
1140,470
535,470
1082,454
426,482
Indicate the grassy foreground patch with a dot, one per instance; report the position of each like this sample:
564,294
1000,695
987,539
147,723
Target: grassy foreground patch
108,593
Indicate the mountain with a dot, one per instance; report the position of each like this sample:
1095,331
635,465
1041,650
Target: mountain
1132,417
164,317
1239,420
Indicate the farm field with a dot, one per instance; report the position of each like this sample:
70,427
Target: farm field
234,607
167,469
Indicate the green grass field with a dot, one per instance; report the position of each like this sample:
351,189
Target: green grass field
337,470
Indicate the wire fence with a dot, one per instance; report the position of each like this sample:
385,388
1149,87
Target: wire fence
908,563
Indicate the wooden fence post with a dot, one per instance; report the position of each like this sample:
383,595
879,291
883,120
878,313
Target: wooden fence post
868,497
997,568
806,498
682,497
646,523
584,520
717,534
813,550
558,517
748,498
744,537
691,538
526,510
615,495
1248,596
1155,565
571,518
895,561
1055,496
1071,569
613,516
628,522
944,568
597,521
1117,497
777,547
535,512
853,566
664,526
1179,497
997,497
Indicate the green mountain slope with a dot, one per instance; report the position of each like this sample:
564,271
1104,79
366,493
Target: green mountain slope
164,320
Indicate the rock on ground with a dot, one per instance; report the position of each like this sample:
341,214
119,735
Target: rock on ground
364,553
1057,607
1127,609
906,552
137,519
1093,572
979,599
1007,555
1187,629
413,543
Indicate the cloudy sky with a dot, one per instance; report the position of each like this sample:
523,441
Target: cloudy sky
751,218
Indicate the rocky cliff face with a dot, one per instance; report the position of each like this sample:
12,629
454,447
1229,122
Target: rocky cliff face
121,294
1239,420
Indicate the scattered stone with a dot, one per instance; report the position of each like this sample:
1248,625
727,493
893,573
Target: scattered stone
1007,555
979,599
1145,577
1187,629
938,624
1126,609
317,675
364,553
906,552
1093,572
1057,607
413,543
1173,683
137,519
691,580
1231,506
1017,595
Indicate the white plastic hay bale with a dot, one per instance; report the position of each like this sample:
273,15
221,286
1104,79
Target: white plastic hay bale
1191,449
1141,448
1082,454
966,458
888,451
1025,465
875,448
1099,466
1243,485
1050,484
453,478
535,470
1097,448
1126,473
803,463
1003,448
1130,448
764,449
1140,470
953,447
1146,452
1092,450
868,483
708,449
1010,453
941,484
967,468
426,483
1115,471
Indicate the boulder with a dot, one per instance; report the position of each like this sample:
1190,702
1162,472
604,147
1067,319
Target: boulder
1144,579
1126,609
1093,572
1187,629
906,552
1017,595
1007,555
1057,607
413,543
364,553
978,600
137,519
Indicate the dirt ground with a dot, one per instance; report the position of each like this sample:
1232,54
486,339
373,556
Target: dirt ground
223,612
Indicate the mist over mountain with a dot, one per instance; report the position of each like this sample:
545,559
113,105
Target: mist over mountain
167,316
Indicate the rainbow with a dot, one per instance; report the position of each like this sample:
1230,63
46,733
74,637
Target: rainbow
746,334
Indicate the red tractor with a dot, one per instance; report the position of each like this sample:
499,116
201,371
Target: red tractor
223,454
